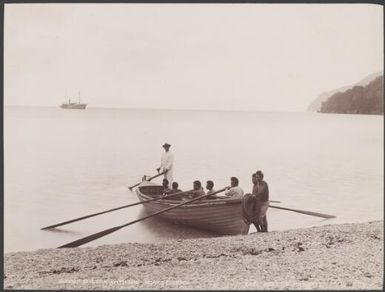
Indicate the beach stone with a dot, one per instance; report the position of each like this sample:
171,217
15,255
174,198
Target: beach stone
349,284
228,262
181,259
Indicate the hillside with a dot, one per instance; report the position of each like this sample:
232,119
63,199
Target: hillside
367,99
316,104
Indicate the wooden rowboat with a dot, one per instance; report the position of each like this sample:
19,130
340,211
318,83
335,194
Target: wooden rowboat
222,216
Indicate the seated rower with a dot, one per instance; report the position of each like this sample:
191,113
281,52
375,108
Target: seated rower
175,190
210,189
166,188
234,191
198,190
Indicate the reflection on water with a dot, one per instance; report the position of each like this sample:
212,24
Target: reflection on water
60,165
165,229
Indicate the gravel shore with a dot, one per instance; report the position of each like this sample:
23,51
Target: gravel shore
345,256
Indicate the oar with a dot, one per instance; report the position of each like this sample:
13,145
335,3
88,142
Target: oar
159,174
306,212
114,209
275,201
94,236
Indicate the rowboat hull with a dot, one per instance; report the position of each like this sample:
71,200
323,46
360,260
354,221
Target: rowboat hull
222,216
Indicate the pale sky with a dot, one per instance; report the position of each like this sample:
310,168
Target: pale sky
257,57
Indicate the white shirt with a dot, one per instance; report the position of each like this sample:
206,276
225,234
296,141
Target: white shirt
235,192
167,160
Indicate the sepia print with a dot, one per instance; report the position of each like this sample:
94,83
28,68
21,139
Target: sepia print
193,146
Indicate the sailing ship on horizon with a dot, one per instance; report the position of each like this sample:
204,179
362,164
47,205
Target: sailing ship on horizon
73,105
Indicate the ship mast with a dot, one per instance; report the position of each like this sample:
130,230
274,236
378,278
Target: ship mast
69,101
79,95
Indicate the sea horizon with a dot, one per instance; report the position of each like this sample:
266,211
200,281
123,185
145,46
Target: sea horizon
185,109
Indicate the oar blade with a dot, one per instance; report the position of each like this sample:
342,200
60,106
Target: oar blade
149,179
327,216
67,222
89,238
131,187
322,215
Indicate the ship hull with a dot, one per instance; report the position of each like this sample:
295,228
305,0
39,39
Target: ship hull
74,106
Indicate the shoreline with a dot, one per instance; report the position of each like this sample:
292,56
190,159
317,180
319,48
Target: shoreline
341,256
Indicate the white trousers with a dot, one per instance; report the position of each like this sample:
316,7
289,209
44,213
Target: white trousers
169,176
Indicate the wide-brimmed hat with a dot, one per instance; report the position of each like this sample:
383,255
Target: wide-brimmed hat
166,145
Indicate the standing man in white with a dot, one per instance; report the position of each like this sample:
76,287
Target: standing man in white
167,163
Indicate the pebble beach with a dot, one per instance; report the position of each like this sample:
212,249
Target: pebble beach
343,256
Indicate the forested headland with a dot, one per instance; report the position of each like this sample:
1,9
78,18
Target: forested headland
367,99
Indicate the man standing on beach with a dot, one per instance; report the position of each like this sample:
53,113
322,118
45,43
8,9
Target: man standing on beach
254,205
261,191
167,163
250,206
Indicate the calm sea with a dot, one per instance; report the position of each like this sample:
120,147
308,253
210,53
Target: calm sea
62,164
